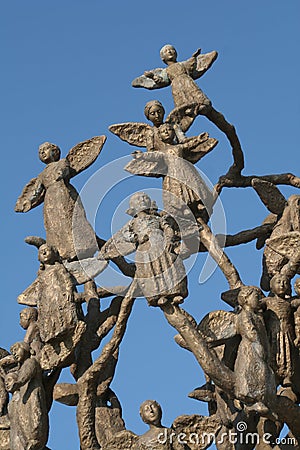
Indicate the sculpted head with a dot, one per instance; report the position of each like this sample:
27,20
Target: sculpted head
138,202
154,111
168,54
20,351
151,413
280,285
28,315
166,133
49,152
249,297
47,254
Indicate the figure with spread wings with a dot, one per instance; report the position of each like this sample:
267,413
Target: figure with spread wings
183,188
67,228
59,320
181,76
281,252
160,274
144,135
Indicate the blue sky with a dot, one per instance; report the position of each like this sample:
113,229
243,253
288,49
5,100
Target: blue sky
66,76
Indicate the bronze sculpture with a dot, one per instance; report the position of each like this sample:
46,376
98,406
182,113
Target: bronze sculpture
250,354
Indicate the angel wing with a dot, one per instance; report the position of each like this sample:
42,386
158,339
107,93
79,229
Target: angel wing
84,154
151,164
270,195
218,326
135,133
32,195
30,295
196,425
194,155
287,245
204,62
156,79
122,243
182,118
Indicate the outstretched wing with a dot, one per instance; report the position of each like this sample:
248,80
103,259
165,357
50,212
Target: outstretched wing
32,195
183,117
151,164
204,62
30,296
135,133
122,243
287,245
157,79
218,326
84,154
194,155
270,195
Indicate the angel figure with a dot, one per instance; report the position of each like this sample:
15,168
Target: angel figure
184,191
157,437
279,320
27,409
66,225
58,320
243,362
296,305
29,322
144,135
160,273
281,253
181,76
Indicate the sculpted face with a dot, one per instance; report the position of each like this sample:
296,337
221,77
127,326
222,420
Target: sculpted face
156,115
280,285
140,202
24,319
48,153
168,54
151,412
18,353
166,133
46,254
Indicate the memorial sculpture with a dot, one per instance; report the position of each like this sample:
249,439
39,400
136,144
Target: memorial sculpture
249,354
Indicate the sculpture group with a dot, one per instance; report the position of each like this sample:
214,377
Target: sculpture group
250,355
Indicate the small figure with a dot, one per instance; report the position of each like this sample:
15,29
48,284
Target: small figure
144,135
28,321
255,381
27,409
157,437
185,91
58,316
160,273
184,191
66,225
3,393
280,327
296,304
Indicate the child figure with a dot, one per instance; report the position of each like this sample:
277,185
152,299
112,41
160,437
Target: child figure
296,305
184,191
28,321
160,273
280,327
27,409
58,321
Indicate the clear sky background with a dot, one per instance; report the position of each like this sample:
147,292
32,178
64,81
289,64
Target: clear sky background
66,75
